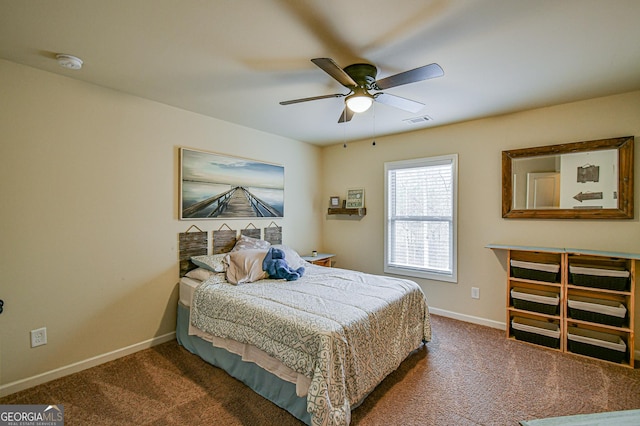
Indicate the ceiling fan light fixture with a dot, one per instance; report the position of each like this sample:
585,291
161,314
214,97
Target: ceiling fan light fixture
359,102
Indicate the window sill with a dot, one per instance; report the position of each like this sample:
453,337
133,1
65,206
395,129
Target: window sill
415,273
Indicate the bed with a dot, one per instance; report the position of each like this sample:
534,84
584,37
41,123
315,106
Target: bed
316,346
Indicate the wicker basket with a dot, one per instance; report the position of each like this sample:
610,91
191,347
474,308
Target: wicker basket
605,278
548,272
606,346
534,331
602,311
544,302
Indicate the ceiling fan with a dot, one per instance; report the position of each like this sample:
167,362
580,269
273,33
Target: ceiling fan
360,79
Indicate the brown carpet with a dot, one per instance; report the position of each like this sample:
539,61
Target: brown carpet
468,375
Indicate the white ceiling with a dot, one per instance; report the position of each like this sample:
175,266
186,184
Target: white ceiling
236,59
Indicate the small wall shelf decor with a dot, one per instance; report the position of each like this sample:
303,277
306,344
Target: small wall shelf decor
355,198
572,300
350,212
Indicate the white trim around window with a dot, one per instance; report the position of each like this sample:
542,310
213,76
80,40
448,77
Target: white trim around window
421,217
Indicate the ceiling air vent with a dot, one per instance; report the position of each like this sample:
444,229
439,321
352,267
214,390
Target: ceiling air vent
418,120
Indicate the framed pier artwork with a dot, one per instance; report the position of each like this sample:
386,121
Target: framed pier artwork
216,186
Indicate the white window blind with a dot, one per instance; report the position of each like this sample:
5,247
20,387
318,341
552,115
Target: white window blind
420,222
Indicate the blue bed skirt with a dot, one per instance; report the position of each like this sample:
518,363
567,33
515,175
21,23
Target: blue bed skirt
271,387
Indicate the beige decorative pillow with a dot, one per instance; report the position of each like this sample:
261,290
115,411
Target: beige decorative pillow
245,266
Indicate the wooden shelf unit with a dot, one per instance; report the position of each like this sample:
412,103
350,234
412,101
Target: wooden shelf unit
564,288
626,297
552,287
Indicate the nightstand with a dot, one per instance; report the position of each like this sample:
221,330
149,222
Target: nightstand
321,259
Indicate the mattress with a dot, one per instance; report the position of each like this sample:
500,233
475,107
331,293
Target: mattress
248,353
264,383
187,287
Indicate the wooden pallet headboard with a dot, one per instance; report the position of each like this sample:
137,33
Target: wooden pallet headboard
191,244
222,241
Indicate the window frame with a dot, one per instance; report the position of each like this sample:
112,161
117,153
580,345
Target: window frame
423,272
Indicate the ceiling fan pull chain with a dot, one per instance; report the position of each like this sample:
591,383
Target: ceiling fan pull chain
344,129
374,126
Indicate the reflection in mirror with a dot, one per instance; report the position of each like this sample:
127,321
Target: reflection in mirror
580,180
584,180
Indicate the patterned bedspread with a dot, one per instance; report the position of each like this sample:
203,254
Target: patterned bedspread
344,330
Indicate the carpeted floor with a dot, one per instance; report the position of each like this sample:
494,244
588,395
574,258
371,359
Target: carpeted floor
468,375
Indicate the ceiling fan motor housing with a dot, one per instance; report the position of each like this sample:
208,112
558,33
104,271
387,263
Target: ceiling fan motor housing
363,74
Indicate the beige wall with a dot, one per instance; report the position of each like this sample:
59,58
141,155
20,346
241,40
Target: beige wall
359,243
88,217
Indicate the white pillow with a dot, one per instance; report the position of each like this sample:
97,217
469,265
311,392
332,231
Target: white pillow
200,274
248,243
291,256
212,262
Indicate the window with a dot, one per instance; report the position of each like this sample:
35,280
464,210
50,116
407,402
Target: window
420,217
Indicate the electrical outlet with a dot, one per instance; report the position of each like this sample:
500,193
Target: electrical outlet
39,337
475,293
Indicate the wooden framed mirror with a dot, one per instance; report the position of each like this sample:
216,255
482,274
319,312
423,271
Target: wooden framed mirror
579,180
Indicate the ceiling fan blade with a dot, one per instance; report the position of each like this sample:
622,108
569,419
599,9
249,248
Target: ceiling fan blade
398,102
346,115
417,74
314,98
331,68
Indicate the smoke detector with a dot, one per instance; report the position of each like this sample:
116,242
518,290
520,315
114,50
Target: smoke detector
69,61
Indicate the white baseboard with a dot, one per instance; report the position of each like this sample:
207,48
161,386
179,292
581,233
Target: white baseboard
468,318
39,379
483,321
